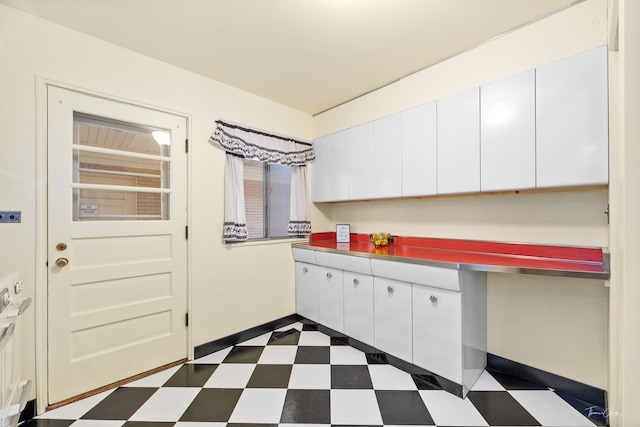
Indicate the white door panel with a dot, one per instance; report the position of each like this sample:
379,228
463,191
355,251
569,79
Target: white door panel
117,308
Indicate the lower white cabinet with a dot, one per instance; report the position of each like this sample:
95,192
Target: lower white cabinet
437,322
330,298
358,307
392,317
307,290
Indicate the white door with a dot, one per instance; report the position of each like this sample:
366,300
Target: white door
117,250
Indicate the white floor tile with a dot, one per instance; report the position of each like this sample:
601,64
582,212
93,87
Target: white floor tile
355,407
346,355
262,406
295,325
259,340
166,404
313,338
549,408
77,409
304,425
310,377
449,410
198,424
97,423
213,358
387,377
155,380
278,355
487,383
230,375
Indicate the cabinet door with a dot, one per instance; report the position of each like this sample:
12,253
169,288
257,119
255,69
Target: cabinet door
361,162
307,290
572,121
392,317
387,157
437,331
340,166
322,169
419,161
358,307
330,298
508,133
458,142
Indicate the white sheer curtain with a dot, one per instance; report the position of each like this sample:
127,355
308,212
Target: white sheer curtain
235,222
299,223
242,142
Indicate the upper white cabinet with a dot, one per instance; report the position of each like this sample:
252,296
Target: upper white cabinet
572,121
387,157
458,141
508,133
419,164
360,155
322,169
339,166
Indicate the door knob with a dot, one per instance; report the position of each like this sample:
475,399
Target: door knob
61,262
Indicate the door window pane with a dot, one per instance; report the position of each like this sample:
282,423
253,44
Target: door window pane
110,154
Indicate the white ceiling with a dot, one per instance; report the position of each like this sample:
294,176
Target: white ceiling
308,54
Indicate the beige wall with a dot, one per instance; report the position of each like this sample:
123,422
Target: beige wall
234,288
558,325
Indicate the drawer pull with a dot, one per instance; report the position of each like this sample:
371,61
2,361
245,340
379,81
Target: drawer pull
328,275
355,282
433,298
305,270
389,289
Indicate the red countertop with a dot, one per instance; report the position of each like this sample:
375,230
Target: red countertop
523,258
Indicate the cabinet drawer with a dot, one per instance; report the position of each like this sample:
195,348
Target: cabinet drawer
304,255
437,277
344,262
437,331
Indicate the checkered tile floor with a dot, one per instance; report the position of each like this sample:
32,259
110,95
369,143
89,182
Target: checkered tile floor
299,376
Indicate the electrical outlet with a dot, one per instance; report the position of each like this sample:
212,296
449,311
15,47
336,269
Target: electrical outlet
10,216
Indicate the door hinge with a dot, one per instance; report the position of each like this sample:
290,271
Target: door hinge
607,214
186,232
186,319
186,145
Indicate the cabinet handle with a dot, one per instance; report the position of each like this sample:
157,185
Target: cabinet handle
355,282
305,270
433,298
328,275
389,289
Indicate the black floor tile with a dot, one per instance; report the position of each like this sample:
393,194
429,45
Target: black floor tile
351,377
313,355
514,383
377,359
147,424
403,408
308,327
426,382
47,423
270,376
290,337
120,404
212,405
499,408
307,406
339,341
244,354
191,375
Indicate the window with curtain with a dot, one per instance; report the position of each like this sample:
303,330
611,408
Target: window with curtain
265,183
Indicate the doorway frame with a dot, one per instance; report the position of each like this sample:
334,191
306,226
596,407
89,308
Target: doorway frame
41,284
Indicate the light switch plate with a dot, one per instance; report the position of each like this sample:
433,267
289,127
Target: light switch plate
10,216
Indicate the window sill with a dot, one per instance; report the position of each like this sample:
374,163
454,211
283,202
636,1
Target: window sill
262,242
